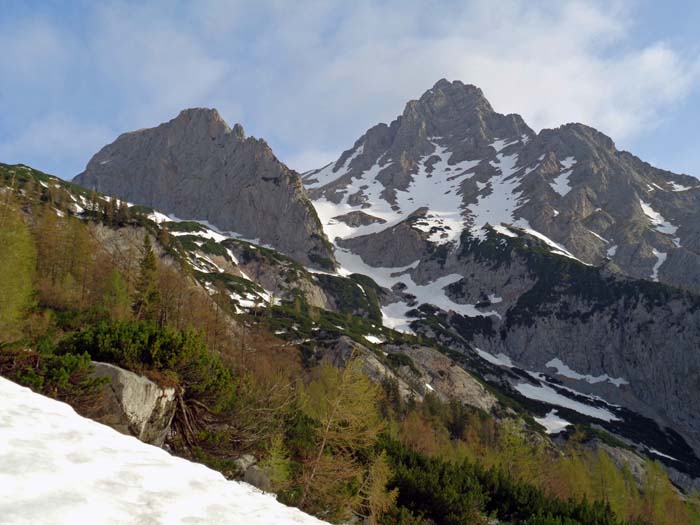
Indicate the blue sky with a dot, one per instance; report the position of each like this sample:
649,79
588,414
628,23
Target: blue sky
310,77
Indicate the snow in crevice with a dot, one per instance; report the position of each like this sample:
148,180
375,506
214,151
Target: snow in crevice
611,251
599,236
560,183
657,220
556,247
499,359
502,198
60,468
660,454
564,371
504,231
660,259
204,233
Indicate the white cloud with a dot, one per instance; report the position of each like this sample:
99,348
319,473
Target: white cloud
158,67
553,65
311,77
55,140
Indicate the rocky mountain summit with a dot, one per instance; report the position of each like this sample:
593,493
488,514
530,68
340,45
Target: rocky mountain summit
469,166
196,167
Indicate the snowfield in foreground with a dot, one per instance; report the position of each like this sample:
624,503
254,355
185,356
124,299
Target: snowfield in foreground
58,467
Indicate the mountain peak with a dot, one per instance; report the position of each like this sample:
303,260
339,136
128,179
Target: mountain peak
200,120
455,96
210,114
196,167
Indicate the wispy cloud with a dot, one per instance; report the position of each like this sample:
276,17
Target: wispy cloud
310,77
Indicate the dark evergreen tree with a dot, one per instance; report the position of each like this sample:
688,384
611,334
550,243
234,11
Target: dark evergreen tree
147,299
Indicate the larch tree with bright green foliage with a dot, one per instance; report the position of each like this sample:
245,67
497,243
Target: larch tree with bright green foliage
17,263
376,500
344,404
661,504
612,485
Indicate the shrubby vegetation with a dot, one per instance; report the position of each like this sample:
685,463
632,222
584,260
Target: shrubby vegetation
330,441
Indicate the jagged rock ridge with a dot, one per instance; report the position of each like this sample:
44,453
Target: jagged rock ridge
196,167
451,153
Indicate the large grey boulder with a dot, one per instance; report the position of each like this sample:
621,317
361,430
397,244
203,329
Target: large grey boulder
135,405
196,167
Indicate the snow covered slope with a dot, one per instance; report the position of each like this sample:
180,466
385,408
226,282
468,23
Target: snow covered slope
58,467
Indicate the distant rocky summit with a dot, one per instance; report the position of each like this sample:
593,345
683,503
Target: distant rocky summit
196,167
451,154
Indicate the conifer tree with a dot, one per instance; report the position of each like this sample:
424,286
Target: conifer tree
147,296
344,403
376,500
278,465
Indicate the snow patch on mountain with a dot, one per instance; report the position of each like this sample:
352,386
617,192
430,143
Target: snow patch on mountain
564,370
561,184
547,394
552,422
660,259
499,359
657,220
435,185
679,187
329,173
498,204
395,315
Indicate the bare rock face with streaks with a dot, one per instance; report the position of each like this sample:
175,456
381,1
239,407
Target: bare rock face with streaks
196,167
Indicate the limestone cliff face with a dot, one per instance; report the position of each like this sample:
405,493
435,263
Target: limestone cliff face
196,167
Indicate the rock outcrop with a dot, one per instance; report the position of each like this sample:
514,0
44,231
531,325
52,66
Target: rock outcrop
416,370
196,167
135,405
